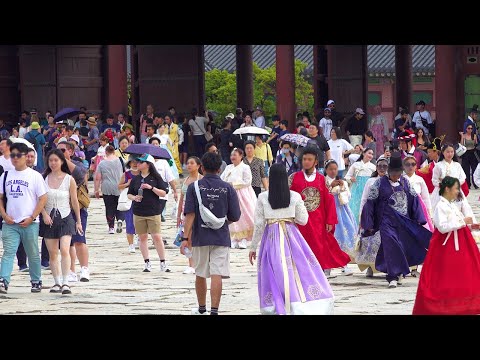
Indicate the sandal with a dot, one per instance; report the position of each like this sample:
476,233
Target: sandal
56,289
66,289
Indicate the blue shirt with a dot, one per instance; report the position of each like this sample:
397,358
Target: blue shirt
221,198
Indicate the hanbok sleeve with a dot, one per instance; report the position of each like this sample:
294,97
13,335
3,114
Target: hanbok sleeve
329,205
426,196
437,172
461,176
467,210
259,225
301,213
415,207
476,175
445,219
367,217
350,172
246,176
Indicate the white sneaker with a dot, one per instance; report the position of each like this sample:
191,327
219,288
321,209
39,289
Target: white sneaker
400,279
347,271
234,244
135,241
392,284
189,270
111,231
242,244
84,274
148,267
164,267
328,274
119,226
196,312
369,273
72,277
131,249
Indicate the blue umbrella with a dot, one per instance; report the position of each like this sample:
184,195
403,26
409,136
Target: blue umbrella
156,151
66,113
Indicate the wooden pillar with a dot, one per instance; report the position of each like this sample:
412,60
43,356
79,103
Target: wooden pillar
244,57
285,68
446,92
116,85
320,73
403,77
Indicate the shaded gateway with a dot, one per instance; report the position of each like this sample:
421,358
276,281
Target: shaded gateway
95,76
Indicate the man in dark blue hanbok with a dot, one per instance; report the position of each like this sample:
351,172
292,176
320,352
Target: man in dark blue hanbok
394,208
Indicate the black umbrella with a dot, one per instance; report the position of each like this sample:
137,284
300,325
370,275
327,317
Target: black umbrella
66,113
156,151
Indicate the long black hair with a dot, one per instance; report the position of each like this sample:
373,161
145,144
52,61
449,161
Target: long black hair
278,191
444,147
363,152
449,182
64,168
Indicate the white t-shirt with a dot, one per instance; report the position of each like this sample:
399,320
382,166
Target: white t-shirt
23,190
337,148
6,164
165,172
21,132
326,125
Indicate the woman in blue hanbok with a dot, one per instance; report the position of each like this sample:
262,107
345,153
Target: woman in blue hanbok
394,209
346,229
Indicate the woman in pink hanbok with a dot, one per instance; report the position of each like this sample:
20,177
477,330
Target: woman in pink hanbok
379,128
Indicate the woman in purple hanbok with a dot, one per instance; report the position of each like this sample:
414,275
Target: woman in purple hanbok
290,278
393,208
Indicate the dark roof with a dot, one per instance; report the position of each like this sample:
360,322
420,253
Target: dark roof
381,58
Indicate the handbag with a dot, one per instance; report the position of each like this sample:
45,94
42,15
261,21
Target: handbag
343,197
124,203
82,196
460,150
207,135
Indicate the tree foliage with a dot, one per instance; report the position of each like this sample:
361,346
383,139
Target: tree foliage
221,90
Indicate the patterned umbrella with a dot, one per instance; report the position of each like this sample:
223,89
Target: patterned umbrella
296,139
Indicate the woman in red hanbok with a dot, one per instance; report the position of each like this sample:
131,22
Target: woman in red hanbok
322,215
442,291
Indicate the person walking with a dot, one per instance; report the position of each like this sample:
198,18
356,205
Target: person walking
210,246
257,167
290,279
58,219
469,159
339,148
356,127
38,140
107,177
145,190
288,158
21,201
263,152
239,175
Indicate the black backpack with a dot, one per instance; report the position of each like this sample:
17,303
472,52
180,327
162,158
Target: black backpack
33,140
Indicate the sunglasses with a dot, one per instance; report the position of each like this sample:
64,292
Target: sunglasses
382,166
469,128
16,155
410,164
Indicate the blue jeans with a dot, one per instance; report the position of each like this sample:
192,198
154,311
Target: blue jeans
267,167
12,234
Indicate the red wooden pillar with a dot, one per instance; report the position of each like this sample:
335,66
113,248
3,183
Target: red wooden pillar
320,73
116,85
403,77
285,67
446,92
244,77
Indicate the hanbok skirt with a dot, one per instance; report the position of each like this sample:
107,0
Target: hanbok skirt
378,134
357,191
366,251
243,228
171,162
346,229
450,279
429,224
290,278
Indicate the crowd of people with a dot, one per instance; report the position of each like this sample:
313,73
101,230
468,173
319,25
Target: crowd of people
336,191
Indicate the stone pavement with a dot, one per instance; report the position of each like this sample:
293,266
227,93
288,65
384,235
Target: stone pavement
118,285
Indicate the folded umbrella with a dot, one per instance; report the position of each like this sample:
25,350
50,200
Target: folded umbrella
156,151
66,113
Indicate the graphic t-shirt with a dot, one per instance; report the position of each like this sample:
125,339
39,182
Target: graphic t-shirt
23,188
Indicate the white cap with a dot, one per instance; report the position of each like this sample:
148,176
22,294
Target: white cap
76,138
330,102
230,116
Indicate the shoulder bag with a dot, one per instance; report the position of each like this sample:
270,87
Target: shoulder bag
207,135
208,218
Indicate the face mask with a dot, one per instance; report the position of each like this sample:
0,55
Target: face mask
285,151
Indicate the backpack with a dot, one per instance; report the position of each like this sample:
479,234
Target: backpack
209,219
33,140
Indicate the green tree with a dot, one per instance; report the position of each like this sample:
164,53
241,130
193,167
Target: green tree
221,90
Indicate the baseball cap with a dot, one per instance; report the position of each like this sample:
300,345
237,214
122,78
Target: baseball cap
327,109
75,138
230,116
146,158
330,102
360,111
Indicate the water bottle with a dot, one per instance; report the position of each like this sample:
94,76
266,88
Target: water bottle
187,252
140,193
